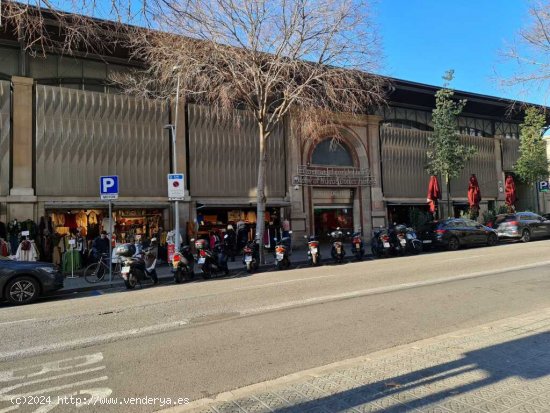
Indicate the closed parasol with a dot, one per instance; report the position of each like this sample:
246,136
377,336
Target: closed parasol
474,194
434,193
510,189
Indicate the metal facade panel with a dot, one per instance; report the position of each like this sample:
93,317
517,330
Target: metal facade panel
5,110
223,155
510,153
403,162
81,135
483,164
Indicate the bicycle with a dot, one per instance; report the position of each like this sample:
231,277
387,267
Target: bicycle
97,271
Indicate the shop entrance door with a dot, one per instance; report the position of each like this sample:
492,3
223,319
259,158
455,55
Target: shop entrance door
327,219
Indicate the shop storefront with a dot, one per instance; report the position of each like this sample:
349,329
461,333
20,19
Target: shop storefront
216,220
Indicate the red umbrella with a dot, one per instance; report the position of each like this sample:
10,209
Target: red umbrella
434,193
474,194
510,189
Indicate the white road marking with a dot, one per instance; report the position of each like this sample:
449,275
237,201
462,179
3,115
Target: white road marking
158,328
249,287
386,289
465,258
89,341
17,321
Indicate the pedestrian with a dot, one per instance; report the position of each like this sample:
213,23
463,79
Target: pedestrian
100,246
230,240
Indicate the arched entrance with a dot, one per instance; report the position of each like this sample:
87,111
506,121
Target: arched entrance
336,175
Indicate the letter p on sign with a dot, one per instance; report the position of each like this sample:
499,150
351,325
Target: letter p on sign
108,187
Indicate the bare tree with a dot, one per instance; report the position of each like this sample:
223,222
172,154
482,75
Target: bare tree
531,52
311,57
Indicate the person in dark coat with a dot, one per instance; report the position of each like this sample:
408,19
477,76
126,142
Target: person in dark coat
100,246
230,240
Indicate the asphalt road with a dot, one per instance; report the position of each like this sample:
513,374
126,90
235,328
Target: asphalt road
197,340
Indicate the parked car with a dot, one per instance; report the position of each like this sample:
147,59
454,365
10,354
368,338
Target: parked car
23,282
456,232
522,226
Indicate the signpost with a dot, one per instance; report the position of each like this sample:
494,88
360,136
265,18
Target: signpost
543,186
108,190
176,192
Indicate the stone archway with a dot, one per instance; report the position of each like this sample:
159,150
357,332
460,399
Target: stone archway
343,203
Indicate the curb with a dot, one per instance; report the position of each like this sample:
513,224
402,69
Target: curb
264,268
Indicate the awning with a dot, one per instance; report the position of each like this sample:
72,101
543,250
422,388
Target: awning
104,204
232,203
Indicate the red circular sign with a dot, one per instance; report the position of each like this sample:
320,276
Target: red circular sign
176,184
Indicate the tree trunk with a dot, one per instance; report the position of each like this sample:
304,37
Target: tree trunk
260,194
448,183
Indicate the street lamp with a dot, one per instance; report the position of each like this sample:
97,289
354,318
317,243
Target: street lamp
173,127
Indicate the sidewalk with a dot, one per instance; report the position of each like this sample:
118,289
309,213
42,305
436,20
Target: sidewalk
298,258
499,367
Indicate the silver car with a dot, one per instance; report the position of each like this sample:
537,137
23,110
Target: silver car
522,226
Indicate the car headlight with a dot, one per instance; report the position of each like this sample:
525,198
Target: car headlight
50,270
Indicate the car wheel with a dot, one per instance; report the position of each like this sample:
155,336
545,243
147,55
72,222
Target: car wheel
22,290
525,236
492,240
453,244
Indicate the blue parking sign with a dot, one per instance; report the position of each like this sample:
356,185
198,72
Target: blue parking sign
108,187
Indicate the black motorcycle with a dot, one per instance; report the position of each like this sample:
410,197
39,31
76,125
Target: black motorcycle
137,268
183,264
211,261
357,246
381,243
337,251
251,256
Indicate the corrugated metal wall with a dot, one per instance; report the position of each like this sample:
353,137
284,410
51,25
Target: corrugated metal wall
403,162
483,164
510,153
82,135
5,110
223,155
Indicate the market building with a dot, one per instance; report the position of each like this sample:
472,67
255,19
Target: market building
63,125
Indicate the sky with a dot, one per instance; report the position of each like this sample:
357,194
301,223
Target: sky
422,39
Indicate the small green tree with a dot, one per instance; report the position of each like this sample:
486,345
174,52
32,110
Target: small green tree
446,155
532,164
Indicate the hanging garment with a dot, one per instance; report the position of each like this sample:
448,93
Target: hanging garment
93,218
4,248
82,219
72,261
3,231
251,217
26,251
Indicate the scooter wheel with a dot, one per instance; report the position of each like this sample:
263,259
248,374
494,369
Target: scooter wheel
131,282
206,272
178,279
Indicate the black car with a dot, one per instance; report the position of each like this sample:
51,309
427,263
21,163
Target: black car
456,232
23,282
522,226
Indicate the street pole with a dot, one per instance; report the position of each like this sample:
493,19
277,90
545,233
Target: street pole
174,155
110,242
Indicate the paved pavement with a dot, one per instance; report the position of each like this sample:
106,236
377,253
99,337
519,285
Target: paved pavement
498,367
298,260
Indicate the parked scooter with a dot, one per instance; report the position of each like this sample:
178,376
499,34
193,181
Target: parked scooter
357,246
211,261
337,251
251,256
282,247
313,253
183,264
381,245
137,268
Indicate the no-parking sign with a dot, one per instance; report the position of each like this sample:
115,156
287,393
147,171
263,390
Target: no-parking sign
176,187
